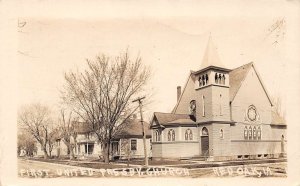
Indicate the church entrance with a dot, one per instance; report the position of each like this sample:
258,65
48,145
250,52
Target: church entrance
204,142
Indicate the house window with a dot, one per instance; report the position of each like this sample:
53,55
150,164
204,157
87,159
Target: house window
188,135
250,132
133,144
221,134
171,135
89,148
246,132
203,106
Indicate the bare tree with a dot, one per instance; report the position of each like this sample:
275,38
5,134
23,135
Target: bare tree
68,130
36,120
26,142
102,94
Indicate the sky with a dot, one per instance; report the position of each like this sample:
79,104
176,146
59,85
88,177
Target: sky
171,47
171,44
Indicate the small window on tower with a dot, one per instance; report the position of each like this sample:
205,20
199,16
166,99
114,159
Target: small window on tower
223,79
216,78
203,106
200,81
221,134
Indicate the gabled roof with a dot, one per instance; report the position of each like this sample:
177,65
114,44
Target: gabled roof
133,128
169,118
184,89
236,77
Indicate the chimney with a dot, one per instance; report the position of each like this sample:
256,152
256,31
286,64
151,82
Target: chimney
178,92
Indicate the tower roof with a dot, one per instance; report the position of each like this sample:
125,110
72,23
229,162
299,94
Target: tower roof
211,57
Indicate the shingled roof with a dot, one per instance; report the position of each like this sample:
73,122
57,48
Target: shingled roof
82,127
133,129
169,118
236,77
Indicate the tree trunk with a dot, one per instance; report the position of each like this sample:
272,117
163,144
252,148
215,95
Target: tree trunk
72,156
106,152
45,153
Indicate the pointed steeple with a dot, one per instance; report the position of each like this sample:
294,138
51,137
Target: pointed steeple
211,57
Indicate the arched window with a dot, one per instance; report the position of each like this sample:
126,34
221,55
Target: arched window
203,106
204,131
203,80
157,135
193,107
245,132
171,135
250,132
216,78
188,135
221,134
220,78
258,133
254,132
206,78
223,79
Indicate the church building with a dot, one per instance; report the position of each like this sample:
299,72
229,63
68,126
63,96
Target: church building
221,114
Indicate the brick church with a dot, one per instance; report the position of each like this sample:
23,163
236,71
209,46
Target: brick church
220,114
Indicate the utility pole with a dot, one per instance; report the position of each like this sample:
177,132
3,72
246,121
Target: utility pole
139,100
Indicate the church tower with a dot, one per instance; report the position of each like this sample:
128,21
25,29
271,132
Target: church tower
212,87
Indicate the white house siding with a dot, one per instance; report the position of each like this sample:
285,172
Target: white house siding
139,152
